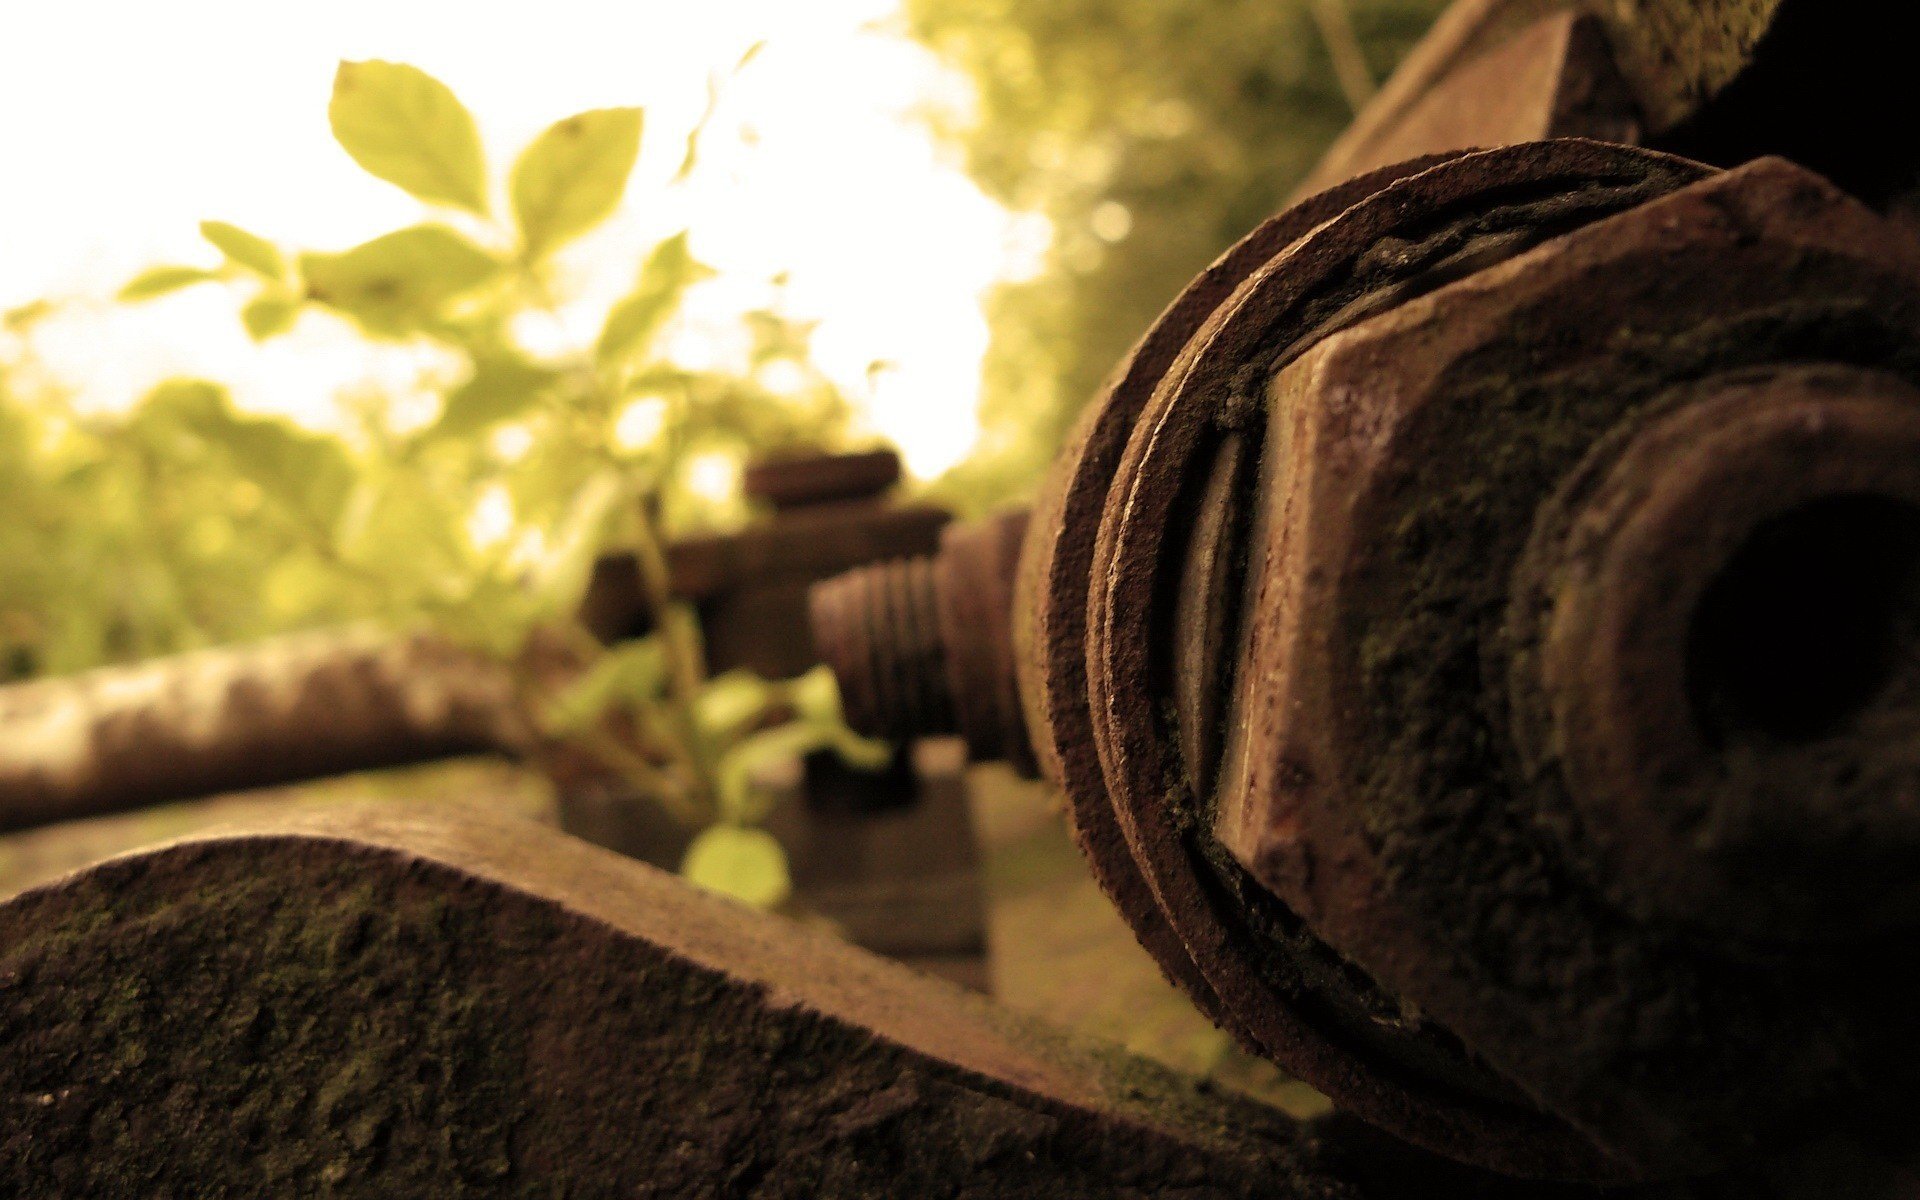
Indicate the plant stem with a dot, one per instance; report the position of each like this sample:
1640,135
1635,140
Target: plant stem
679,633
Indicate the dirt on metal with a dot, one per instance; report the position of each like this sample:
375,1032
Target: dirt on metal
376,1007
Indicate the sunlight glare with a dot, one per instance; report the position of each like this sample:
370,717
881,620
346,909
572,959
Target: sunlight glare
639,423
492,518
817,165
713,475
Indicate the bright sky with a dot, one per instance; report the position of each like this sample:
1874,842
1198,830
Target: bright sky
125,124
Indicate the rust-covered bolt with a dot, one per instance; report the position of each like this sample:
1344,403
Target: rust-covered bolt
1540,652
1477,630
923,647
1477,637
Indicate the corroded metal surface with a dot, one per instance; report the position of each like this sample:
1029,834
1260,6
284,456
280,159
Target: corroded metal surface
375,1007
924,646
1722,661
1421,625
1492,73
1049,622
1407,701
832,513
1722,81
119,739
1298,999
1376,792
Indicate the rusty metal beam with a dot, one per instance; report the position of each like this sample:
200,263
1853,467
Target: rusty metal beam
387,1007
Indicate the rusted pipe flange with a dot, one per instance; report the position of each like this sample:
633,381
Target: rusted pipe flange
1050,608
1415,234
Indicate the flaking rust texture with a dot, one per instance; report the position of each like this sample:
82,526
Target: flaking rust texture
1681,54
1427,763
1474,632
373,1007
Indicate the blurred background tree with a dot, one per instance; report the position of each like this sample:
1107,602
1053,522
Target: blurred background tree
1126,143
1151,135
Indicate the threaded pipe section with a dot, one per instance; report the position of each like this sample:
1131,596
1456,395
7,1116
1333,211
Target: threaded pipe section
878,629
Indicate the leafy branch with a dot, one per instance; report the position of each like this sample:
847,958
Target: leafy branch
490,538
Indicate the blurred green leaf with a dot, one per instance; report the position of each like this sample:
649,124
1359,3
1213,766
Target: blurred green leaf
396,284
406,127
269,316
632,324
502,386
691,158
747,864
740,766
737,773
632,673
158,281
249,250
401,528
730,704
815,695
25,316
306,473
572,177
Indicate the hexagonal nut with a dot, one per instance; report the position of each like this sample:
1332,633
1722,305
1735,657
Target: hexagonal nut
1389,774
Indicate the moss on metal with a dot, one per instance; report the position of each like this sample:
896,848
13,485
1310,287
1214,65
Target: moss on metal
1679,54
297,1017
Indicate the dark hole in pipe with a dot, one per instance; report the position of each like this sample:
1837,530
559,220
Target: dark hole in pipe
1809,623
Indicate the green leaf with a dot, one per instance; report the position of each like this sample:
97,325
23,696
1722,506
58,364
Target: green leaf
251,251
158,281
407,531
500,388
730,704
406,127
669,271
303,472
737,772
815,695
632,673
26,316
747,864
269,316
572,177
396,284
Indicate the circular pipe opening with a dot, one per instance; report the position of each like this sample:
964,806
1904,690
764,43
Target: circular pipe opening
1809,622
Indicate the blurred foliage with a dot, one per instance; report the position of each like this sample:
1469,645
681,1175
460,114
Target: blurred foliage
1152,134
1149,134
186,521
